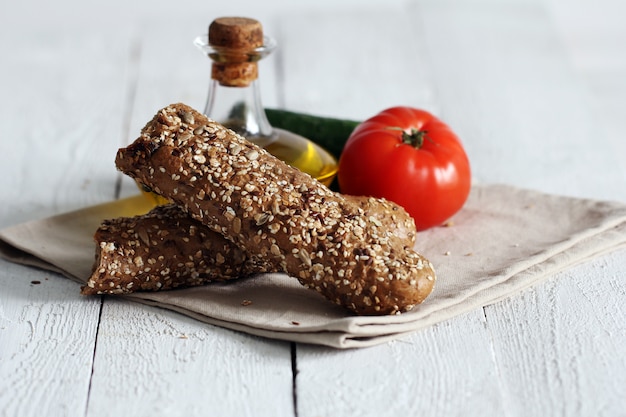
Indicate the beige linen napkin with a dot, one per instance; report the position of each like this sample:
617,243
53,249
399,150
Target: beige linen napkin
504,240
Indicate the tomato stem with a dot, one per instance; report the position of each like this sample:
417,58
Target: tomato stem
415,138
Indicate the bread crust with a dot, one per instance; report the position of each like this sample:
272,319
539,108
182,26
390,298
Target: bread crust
277,214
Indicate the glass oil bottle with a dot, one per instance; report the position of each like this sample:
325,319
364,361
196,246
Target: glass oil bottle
235,45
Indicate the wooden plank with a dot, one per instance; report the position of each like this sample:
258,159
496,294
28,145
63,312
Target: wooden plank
47,337
56,127
560,346
531,103
176,365
157,363
447,369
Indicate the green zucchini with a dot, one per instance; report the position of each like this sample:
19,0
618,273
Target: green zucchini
330,133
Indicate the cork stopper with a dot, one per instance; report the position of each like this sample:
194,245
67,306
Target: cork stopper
236,33
235,38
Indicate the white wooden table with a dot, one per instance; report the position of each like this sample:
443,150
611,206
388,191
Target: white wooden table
537,91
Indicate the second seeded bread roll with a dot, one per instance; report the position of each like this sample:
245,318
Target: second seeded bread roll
277,213
162,250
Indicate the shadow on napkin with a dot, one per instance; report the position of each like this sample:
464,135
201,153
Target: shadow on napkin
504,240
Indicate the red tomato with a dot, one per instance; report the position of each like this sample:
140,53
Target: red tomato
410,157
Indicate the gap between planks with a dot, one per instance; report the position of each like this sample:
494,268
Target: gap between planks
93,357
294,376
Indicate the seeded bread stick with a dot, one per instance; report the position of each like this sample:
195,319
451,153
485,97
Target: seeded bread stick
276,213
163,249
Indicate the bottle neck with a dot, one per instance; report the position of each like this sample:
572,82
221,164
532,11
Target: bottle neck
239,109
